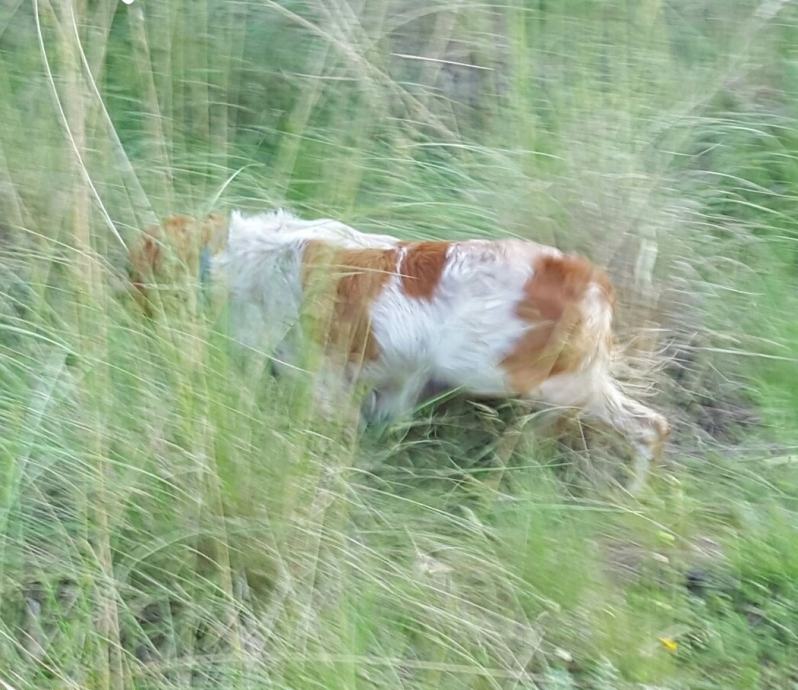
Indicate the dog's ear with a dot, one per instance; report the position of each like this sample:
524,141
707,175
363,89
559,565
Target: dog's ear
214,235
143,256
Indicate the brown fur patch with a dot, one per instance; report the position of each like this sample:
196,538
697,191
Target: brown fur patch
422,267
342,284
557,341
170,252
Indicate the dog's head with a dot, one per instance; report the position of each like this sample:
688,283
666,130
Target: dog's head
173,259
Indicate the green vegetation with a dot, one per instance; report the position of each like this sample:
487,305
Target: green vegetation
170,519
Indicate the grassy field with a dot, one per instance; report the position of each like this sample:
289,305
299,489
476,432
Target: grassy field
170,519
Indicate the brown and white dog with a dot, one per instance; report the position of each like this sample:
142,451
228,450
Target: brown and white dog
493,318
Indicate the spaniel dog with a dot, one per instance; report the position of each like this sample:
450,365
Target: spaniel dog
492,318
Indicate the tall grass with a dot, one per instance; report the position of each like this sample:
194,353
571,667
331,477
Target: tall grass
172,517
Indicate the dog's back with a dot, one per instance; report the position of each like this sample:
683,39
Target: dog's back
264,265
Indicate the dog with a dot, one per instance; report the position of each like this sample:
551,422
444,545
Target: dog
501,318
